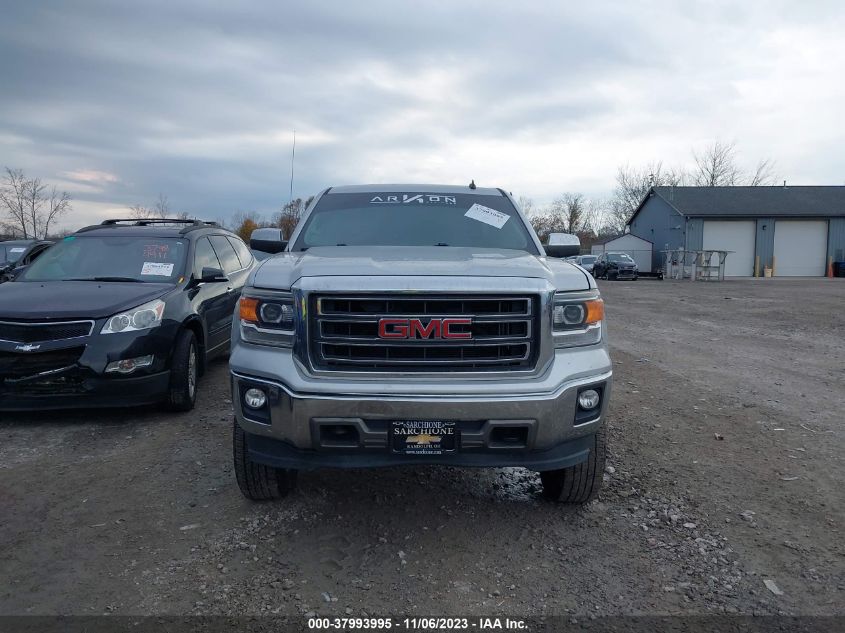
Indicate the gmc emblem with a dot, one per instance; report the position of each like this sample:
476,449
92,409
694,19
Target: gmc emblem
414,328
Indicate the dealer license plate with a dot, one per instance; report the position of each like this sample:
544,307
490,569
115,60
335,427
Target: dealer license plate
423,437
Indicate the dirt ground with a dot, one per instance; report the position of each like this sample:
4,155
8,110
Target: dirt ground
725,471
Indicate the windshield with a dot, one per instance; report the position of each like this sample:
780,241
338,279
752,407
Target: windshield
415,219
12,252
619,257
110,258
588,259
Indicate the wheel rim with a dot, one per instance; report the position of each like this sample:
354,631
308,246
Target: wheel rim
192,371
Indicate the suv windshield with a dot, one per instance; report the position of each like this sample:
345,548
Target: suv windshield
619,257
110,258
415,219
12,252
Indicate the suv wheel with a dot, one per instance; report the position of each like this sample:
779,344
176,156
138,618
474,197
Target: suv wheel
257,481
579,483
184,373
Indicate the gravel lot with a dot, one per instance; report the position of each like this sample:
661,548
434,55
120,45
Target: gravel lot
725,476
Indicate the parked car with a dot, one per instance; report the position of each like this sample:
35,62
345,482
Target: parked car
586,262
615,266
418,324
18,254
124,312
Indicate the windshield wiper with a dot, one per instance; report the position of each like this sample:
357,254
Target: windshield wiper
441,244
106,279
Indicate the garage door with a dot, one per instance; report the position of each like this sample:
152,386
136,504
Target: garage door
732,235
800,248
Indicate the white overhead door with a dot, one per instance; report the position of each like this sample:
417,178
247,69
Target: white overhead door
800,248
736,236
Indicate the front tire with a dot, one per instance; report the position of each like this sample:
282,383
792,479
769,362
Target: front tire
258,482
184,373
582,482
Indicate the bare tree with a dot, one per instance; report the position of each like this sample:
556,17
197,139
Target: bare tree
161,206
58,203
526,204
141,212
632,183
764,174
29,207
599,219
716,166
13,199
159,210
570,207
546,223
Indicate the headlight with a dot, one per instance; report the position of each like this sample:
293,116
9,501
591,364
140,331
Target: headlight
267,313
267,320
141,318
577,314
577,319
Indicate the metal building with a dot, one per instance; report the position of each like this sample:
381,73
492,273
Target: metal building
794,231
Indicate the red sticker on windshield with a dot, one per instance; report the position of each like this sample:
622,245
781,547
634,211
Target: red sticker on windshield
156,251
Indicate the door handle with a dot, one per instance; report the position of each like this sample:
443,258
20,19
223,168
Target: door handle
230,289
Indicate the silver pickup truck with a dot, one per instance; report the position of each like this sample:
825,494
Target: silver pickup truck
418,324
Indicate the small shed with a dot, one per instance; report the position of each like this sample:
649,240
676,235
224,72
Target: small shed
637,248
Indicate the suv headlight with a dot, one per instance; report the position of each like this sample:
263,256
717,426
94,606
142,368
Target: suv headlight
143,317
577,319
267,319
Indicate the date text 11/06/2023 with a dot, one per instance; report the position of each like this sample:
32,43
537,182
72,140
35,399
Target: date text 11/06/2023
417,624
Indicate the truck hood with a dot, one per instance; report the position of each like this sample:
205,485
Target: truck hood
283,270
73,299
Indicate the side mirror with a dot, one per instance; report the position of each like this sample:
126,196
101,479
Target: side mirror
14,273
562,250
267,241
213,275
563,245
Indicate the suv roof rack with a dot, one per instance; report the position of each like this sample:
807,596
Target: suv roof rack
148,221
191,224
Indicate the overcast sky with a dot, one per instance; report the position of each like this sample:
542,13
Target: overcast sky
120,101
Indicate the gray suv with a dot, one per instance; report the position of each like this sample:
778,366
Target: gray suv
418,324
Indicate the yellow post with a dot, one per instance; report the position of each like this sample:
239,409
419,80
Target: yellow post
757,266
830,266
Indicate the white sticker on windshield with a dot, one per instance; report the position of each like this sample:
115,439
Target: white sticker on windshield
17,250
487,215
157,268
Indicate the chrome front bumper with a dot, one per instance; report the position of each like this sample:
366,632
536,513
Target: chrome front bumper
298,405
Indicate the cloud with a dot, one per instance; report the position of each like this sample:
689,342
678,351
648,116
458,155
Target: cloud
118,102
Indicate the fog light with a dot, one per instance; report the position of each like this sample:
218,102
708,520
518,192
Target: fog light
254,398
588,399
128,365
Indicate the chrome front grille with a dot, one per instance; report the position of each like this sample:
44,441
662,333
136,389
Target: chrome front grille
501,332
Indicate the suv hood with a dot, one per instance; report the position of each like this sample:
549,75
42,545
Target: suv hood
283,270
73,299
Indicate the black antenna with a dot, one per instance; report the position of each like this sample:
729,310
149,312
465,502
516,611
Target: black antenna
472,184
292,156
